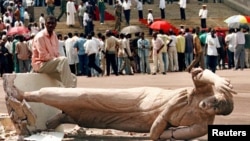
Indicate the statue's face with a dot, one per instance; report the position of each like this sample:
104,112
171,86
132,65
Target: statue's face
216,105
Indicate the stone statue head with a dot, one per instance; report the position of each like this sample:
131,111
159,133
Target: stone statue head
218,104
225,104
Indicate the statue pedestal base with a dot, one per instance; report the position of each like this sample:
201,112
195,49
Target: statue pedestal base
28,117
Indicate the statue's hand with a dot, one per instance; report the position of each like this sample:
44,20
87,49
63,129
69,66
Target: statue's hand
178,100
224,86
161,122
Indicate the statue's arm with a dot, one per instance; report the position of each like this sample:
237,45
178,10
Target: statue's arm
186,132
206,78
161,122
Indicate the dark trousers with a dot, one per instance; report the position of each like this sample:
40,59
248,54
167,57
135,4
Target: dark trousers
111,60
162,13
83,64
140,14
63,11
150,31
169,1
110,2
203,23
221,57
92,64
127,16
86,31
181,61
73,68
230,59
212,63
183,15
50,10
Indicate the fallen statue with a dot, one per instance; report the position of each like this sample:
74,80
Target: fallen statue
183,113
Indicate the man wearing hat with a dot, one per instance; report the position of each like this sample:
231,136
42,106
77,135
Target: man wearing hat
203,15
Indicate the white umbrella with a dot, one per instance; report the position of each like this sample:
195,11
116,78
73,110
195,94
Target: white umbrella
237,20
131,29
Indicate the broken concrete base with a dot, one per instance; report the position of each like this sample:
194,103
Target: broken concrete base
6,122
28,117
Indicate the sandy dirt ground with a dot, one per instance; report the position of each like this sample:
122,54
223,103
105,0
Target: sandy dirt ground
239,79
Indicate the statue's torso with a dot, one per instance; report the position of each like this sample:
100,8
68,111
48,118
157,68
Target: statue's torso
135,115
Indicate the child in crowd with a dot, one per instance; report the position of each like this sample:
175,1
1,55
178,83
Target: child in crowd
41,21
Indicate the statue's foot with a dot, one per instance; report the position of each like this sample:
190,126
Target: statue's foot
10,88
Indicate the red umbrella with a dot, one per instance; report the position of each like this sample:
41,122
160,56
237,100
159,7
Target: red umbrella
20,30
163,25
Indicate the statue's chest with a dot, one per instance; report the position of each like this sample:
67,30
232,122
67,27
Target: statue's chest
186,116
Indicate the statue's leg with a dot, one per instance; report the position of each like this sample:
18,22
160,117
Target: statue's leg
32,96
58,119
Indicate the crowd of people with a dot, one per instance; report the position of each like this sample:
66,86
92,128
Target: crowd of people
107,53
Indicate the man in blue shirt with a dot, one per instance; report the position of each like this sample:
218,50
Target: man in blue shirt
83,58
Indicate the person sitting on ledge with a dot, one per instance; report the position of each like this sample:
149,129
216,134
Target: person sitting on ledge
46,58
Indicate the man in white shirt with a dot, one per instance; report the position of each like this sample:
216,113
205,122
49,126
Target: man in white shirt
85,20
42,21
139,7
26,17
7,17
71,53
203,16
230,40
18,23
157,44
183,4
91,50
162,6
126,9
150,20
239,53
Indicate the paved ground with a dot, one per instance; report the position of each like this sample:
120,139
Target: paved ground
239,79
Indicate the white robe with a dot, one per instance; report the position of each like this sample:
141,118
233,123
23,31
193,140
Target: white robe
70,51
71,10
